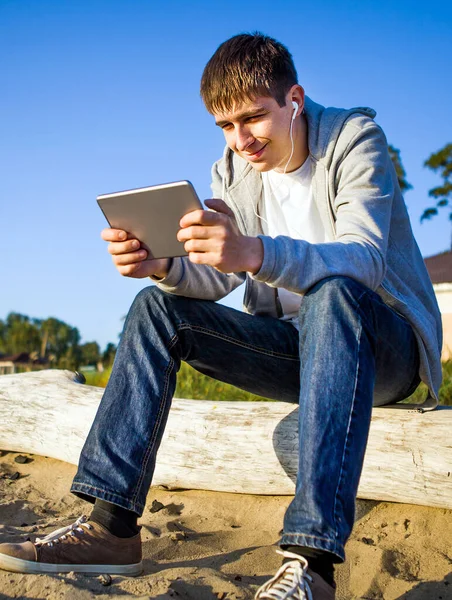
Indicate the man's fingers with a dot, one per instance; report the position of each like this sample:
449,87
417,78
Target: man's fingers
195,232
129,270
129,258
201,258
206,258
123,247
201,217
113,235
219,206
198,246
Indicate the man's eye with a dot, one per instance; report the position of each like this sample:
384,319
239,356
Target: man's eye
254,118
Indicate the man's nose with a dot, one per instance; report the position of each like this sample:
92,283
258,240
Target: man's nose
243,138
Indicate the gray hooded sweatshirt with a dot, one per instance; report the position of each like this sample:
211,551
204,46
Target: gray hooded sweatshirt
358,197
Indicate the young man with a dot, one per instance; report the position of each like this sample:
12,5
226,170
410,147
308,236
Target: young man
340,315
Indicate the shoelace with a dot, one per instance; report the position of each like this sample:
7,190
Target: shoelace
289,583
63,532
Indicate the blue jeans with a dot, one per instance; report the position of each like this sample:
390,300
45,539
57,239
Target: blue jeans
351,351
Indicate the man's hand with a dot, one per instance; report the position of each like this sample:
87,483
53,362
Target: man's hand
213,238
130,259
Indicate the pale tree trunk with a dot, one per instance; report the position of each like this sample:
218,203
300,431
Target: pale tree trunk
246,447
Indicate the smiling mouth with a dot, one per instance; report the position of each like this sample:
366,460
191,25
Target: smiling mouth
255,155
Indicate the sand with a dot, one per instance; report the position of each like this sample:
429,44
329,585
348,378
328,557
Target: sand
209,545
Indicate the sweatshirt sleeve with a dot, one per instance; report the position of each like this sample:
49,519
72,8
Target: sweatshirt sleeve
364,193
198,281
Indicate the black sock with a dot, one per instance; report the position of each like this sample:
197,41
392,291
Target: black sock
320,561
117,520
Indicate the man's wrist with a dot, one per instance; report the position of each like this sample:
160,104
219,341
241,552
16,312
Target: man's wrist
162,272
255,255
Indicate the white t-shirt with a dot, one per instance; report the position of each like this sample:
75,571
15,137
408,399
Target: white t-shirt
289,209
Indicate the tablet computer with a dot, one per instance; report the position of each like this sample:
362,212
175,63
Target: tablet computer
152,215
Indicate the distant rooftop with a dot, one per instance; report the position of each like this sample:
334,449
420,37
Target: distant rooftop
439,267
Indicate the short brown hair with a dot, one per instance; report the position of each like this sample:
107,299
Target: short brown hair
244,67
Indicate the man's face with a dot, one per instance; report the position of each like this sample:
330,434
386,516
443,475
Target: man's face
258,131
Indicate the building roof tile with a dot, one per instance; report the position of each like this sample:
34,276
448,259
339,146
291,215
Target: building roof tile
439,267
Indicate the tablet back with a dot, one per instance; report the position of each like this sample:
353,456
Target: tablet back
152,215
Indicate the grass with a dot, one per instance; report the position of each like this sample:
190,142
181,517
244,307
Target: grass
445,391
96,378
192,384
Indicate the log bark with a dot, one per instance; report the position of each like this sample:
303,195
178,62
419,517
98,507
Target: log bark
246,447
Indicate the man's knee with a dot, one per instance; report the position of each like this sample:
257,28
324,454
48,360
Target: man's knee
149,301
331,291
147,295
154,302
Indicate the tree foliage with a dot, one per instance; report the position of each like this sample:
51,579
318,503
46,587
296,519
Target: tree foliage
440,162
18,333
90,353
57,337
394,153
50,339
108,355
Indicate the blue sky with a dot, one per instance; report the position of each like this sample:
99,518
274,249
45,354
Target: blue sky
99,96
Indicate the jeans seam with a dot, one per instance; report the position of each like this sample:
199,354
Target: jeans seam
157,424
80,486
237,342
307,535
339,483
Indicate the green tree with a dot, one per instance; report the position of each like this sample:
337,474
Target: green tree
57,338
108,355
2,336
71,359
394,153
90,353
20,334
440,162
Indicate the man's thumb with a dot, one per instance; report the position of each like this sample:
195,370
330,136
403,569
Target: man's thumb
219,205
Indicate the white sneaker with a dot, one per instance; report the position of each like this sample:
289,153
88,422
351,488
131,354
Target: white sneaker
293,582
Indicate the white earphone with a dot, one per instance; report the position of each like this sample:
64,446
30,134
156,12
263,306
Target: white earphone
295,109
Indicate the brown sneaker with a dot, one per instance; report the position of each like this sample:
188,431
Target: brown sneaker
295,581
83,547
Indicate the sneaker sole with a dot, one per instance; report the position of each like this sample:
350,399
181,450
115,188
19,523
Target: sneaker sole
18,565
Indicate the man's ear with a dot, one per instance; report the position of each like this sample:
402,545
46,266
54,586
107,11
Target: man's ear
296,94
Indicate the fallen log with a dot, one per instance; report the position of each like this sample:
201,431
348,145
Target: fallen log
245,447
